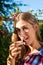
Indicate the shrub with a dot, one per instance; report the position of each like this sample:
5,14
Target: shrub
41,30
5,39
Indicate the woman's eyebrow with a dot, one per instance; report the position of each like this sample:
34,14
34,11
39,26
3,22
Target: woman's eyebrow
25,26
17,29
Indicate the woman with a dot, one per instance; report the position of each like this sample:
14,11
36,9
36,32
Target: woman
27,29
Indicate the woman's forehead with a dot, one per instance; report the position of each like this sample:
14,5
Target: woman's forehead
22,23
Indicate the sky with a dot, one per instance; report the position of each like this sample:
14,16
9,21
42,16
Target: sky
30,4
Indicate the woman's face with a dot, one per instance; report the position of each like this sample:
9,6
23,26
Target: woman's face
25,31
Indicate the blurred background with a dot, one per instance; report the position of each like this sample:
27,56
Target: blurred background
7,10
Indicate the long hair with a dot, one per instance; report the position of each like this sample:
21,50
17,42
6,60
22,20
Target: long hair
28,17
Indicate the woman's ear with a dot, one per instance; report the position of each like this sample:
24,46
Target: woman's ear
36,26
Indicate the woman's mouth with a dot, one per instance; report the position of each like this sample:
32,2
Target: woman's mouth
24,40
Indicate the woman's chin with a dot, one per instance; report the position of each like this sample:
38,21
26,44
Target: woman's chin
28,43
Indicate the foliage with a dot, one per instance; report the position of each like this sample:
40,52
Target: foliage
7,10
5,39
37,13
41,30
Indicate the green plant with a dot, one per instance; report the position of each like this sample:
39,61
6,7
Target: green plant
41,30
5,39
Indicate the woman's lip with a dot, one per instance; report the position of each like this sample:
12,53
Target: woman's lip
25,39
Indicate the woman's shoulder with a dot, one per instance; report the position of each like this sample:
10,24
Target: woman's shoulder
41,51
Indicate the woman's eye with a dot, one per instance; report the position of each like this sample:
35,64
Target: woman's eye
18,31
25,29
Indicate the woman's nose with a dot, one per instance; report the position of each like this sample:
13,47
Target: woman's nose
23,34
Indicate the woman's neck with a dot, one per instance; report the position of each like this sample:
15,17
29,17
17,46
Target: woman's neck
36,45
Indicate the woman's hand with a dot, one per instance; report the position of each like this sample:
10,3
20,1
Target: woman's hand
15,50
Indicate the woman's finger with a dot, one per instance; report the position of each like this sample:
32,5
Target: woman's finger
8,61
11,46
19,43
16,49
15,54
